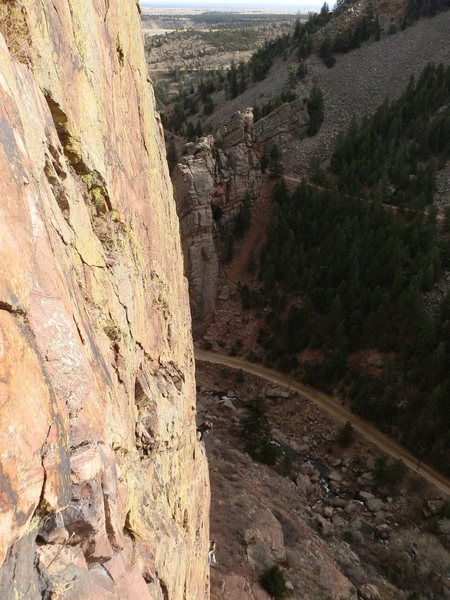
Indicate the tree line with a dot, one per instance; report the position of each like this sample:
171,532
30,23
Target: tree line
342,273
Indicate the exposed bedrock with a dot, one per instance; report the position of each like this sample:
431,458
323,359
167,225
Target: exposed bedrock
211,184
104,491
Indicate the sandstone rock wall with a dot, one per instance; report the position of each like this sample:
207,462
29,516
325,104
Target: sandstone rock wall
210,187
104,490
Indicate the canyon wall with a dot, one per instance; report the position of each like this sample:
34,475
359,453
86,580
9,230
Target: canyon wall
211,184
104,491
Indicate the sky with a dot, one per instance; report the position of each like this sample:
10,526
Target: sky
233,4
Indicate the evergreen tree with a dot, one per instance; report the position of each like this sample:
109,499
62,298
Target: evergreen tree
199,129
257,433
233,81
190,131
326,53
315,106
275,161
302,70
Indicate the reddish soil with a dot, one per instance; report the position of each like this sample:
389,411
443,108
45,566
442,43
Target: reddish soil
230,322
254,239
369,361
310,356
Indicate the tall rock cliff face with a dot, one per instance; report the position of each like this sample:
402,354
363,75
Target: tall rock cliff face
211,185
104,490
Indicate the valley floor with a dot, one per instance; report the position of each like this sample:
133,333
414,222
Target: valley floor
318,514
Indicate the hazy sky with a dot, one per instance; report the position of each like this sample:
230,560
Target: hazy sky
232,4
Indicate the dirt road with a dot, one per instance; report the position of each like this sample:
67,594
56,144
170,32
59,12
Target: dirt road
329,405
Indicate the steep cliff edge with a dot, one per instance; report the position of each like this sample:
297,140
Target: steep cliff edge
104,490
212,185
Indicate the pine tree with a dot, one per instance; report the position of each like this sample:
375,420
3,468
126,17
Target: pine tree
257,432
326,53
233,81
315,107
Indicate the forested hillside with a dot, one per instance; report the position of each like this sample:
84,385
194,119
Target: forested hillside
394,155
349,262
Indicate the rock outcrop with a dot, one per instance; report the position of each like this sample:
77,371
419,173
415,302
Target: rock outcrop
104,490
211,185
286,123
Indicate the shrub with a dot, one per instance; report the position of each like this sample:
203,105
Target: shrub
272,580
379,470
240,377
348,536
315,106
430,557
257,433
397,471
217,213
389,473
253,357
346,435
302,70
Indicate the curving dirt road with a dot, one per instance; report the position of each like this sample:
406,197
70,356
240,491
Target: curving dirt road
329,405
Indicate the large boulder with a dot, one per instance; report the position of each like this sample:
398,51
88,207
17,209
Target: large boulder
236,587
265,540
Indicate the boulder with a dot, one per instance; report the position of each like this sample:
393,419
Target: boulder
368,591
225,293
236,587
323,526
432,507
303,483
277,392
335,476
366,496
374,504
265,540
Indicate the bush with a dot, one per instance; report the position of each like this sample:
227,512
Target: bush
380,468
272,580
217,213
326,53
346,435
302,70
430,557
348,536
389,473
397,471
257,433
269,454
233,350
240,377
315,106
